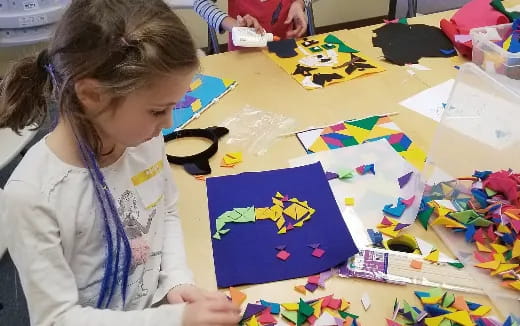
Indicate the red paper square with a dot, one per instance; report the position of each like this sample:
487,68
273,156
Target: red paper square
283,255
318,253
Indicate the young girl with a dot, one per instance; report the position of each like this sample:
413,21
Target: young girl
93,225
283,18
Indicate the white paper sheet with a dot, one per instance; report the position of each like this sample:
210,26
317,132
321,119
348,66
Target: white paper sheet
371,192
430,101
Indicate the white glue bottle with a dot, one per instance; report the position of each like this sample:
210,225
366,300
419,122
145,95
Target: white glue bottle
248,37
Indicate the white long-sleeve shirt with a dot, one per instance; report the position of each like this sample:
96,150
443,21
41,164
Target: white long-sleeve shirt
55,236
3,214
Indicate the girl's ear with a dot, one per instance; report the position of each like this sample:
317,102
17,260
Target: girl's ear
91,95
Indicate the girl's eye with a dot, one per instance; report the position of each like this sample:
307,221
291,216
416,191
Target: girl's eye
157,113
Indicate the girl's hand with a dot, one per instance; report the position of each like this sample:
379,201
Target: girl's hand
298,18
247,21
190,293
211,312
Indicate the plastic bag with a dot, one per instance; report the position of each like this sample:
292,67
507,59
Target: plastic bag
254,130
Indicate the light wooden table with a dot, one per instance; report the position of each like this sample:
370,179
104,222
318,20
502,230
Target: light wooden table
262,84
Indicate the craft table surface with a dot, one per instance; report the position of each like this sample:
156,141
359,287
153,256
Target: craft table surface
262,84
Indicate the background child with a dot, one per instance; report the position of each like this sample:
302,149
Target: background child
283,18
93,225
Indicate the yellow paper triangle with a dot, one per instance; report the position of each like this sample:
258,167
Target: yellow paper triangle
301,289
319,145
500,258
228,82
290,306
482,247
278,195
263,213
415,156
298,224
489,265
291,211
515,285
301,211
431,300
481,311
277,212
433,256
282,230
280,222
253,321
196,105
504,268
389,231
502,228
359,134
516,249
195,84
317,308
499,248
277,202
460,317
377,132
448,222
434,321
344,305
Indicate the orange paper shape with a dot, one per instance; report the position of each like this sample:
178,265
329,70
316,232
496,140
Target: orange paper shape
416,264
237,297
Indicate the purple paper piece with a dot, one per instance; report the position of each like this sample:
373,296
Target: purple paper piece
313,245
186,102
253,310
400,226
241,261
403,181
331,175
311,287
339,321
282,247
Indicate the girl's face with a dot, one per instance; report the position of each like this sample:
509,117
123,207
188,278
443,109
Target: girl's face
142,114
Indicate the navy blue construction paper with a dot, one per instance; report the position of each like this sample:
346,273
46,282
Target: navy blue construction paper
247,253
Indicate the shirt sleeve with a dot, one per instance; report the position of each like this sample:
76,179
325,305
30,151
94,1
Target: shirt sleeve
211,13
48,282
3,214
174,268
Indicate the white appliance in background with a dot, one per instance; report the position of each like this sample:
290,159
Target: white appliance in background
24,22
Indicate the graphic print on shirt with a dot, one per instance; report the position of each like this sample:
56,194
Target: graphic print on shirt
136,231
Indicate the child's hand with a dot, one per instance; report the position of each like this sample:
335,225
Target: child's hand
250,21
187,293
298,17
217,311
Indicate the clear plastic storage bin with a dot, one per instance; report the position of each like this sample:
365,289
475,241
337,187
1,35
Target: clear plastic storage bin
492,57
478,131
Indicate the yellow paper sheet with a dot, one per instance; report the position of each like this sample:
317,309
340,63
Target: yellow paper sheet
336,63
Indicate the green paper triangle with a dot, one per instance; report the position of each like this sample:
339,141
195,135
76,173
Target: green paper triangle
216,236
464,217
345,314
403,21
367,123
220,223
446,322
436,292
346,49
291,316
490,192
224,231
508,255
342,47
305,309
448,299
457,264
424,217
